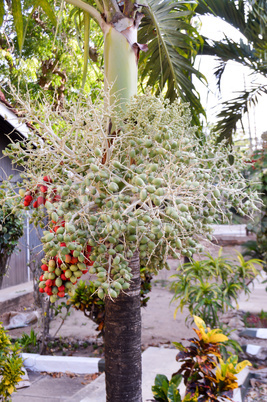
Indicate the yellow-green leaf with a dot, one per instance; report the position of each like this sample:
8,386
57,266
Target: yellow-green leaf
18,21
2,12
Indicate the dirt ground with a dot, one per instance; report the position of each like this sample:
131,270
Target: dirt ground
158,324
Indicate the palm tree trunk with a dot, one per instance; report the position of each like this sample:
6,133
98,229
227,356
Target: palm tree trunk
123,367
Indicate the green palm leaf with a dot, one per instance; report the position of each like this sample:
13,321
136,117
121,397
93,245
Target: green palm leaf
18,21
172,45
250,19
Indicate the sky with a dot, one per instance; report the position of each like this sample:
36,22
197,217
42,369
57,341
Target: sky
234,79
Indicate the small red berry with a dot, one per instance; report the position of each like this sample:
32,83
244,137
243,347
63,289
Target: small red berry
44,267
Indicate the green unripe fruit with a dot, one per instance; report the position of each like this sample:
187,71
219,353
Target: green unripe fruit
76,253
51,275
183,207
60,230
58,282
46,275
101,274
125,286
70,228
139,182
156,201
53,253
113,187
143,195
117,285
78,274
111,251
53,298
54,216
42,284
216,193
73,267
49,237
101,293
58,271
65,250
151,189
116,260
81,258
73,279
113,294
94,167
81,266
51,269
98,152
72,246
68,273
92,270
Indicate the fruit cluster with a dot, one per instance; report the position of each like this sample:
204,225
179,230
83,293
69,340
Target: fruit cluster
66,259
157,190
41,191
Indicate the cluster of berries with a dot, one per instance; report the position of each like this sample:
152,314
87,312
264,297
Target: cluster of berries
66,259
59,276
41,192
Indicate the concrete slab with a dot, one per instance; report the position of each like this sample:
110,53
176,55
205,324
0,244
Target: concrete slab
9,297
257,299
78,365
48,388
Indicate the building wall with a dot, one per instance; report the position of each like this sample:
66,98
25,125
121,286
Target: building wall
29,246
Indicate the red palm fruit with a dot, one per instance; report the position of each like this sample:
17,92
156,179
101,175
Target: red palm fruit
49,282
63,244
90,263
35,204
40,200
56,228
43,189
88,248
63,277
53,282
56,198
49,292
61,294
59,261
41,290
68,258
47,179
61,288
41,278
26,204
63,224
85,271
28,198
74,260
47,289
44,267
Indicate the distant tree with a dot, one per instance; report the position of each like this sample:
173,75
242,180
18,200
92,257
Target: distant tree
250,19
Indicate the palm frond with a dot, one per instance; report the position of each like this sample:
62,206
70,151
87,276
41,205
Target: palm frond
172,46
233,110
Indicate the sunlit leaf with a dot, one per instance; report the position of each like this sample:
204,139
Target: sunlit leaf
18,20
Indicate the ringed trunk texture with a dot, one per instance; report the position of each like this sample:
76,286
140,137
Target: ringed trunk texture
123,366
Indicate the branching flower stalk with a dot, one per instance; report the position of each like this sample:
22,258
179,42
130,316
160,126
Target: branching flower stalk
159,191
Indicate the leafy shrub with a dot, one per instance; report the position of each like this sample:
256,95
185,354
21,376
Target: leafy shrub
258,174
211,286
11,229
206,376
10,366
